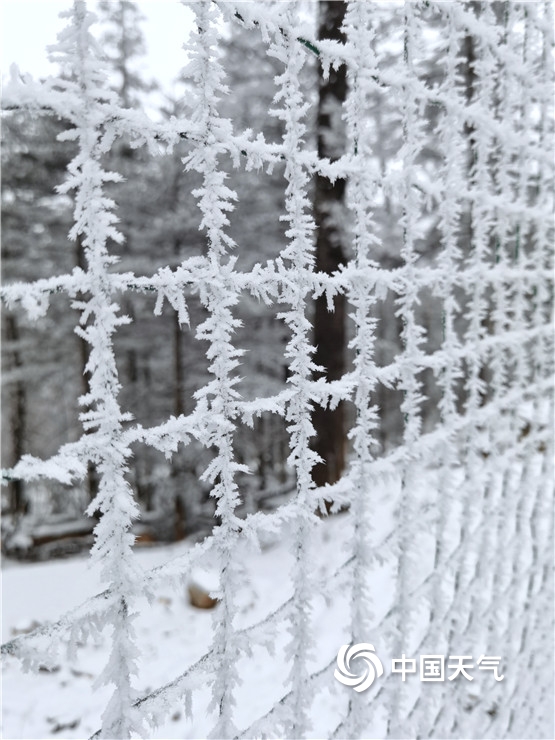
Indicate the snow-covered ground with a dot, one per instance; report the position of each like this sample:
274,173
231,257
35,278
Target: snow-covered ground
172,635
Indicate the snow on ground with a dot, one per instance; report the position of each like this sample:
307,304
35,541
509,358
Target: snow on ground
172,635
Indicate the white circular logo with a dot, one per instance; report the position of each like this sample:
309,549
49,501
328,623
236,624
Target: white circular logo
374,668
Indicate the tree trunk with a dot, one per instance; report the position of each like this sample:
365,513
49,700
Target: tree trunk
329,328
18,504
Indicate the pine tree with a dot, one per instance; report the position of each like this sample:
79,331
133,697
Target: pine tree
123,44
35,370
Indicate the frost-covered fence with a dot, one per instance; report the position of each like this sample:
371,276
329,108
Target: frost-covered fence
451,548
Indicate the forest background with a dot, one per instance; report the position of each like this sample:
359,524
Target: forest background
160,363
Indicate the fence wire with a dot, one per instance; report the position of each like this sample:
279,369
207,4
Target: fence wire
468,549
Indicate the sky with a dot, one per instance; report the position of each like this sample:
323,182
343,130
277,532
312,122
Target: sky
28,26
